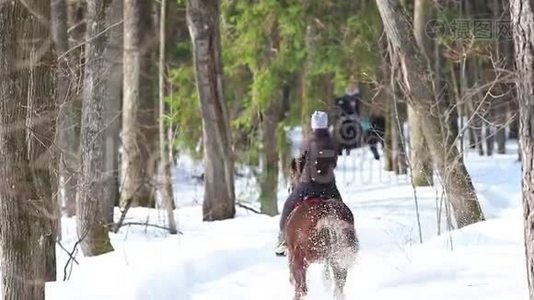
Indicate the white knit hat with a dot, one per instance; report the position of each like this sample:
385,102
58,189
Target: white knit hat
319,120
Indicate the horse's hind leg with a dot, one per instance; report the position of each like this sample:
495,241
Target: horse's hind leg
340,277
327,278
298,274
374,150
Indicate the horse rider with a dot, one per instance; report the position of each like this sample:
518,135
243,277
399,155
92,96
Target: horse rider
350,102
348,123
319,155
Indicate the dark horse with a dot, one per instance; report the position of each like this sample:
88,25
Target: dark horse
352,132
319,230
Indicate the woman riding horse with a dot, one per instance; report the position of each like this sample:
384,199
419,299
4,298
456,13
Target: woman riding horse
319,230
319,155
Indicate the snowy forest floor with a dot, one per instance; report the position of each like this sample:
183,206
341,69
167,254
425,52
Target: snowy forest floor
234,259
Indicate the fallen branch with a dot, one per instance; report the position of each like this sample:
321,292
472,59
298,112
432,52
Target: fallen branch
71,256
145,224
248,208
67,251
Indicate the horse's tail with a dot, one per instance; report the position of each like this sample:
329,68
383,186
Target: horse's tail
331,230
339,238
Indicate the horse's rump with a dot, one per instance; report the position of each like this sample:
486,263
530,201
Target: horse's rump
323,229
338,237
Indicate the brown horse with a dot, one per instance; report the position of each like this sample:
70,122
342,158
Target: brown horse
319,231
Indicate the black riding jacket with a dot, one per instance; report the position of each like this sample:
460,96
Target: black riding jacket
319,155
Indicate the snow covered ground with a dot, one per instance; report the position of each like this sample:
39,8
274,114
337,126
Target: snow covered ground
234,259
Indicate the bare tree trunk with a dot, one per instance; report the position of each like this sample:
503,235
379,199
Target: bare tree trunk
306,81
272,115
388,142
59,20
421,97
503,53
70,110
513,132
396,126
388,101
165,167
453,88
91,225
219,193
420,159
472,136
467,74
398,153
422,14
27,129
139,123
477,127
175,31
498,113
285,154
42,102
489,136
112,108
148,101
482,104
500,132
269,178
327,88
472,81
522,17
514,120
444,92
41,122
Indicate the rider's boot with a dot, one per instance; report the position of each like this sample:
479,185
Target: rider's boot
281,249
